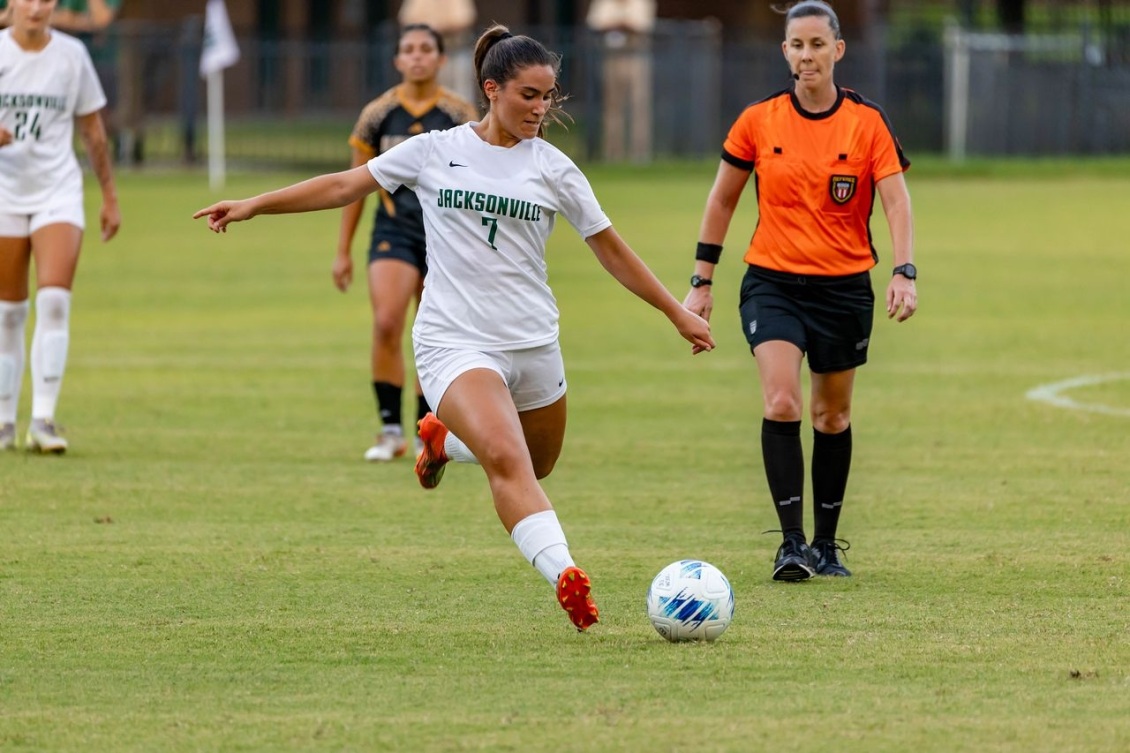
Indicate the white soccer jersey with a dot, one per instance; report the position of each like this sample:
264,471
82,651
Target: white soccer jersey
488,211
41,93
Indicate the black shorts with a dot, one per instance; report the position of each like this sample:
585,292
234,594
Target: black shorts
392,243
828,318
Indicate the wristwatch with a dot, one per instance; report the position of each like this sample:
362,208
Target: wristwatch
909,271
697,281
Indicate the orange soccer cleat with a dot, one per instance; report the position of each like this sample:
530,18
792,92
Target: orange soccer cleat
574,593
432,460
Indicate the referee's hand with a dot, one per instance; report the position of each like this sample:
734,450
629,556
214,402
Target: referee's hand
902,299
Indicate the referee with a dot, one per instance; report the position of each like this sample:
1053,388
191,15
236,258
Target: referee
820,153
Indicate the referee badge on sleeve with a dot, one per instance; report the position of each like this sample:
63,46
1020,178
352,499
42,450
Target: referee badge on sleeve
842,188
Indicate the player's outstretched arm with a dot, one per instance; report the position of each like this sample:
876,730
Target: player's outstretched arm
630,271
323,192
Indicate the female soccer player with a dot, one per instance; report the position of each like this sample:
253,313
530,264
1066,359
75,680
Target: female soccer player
486,333
47,84
397,263
820,152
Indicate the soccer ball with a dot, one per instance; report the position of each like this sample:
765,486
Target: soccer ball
690,600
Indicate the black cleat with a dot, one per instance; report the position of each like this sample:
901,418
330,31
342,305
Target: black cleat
794,561
826,557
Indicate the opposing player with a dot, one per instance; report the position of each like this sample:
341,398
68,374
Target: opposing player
820,153
397,250
47,85
486,333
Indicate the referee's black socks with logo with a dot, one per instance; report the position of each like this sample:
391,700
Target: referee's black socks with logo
831,463
784,469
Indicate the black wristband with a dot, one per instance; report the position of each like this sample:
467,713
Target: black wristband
710,252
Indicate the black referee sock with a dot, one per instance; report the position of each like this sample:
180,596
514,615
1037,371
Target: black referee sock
422,408
784,469
831,463
388,403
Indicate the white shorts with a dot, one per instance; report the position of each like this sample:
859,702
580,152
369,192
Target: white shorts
535,376
68,210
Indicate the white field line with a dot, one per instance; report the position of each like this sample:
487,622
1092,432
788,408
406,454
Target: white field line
1053,394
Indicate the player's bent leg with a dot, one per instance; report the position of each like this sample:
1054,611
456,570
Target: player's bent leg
544,429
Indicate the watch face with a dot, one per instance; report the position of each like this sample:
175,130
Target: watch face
909,271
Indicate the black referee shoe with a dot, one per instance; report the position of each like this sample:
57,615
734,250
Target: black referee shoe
826,557
794,561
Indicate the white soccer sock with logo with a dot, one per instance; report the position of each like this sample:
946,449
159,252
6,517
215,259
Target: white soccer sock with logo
13,317
49,349
539,537
456,451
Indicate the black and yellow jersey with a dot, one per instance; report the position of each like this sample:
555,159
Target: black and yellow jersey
389,120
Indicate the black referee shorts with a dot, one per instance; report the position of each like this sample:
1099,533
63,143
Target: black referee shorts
828,318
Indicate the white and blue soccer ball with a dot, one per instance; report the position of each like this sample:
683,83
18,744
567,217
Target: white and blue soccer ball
690,600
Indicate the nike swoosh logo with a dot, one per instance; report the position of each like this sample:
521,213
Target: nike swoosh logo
454,164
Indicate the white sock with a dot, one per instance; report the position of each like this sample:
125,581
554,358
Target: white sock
456,451
539,537
49,349
13,317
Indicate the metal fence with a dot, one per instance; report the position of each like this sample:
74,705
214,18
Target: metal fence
291,103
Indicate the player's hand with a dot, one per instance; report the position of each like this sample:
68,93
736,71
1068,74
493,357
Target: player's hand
5,136
223,213
343,271
700,301
694,330
110,218
902,298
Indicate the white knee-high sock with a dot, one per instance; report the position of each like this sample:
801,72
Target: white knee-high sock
539,537
13,317
49,349
456,451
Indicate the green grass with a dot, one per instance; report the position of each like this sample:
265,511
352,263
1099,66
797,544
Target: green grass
212,567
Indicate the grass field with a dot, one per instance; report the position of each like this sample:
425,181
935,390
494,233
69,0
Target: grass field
212,566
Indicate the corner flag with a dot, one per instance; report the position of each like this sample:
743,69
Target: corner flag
220,52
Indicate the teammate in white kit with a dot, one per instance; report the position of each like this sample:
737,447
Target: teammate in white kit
486,333
47,84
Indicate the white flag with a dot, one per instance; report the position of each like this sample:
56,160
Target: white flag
220,50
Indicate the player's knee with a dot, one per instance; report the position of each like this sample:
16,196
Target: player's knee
53,307
13,315
388,327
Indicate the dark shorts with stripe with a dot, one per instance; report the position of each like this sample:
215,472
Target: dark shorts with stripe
828,318
389,241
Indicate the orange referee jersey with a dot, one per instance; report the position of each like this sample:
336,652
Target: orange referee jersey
815,177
